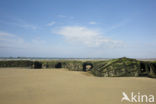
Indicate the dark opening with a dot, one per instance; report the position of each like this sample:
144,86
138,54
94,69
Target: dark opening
87,66
142,67
58,65
37,65
148,68
47,66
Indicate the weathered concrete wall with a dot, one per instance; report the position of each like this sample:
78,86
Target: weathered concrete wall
122,67
16,63
117,68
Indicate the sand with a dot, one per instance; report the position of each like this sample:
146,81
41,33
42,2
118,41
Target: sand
60,86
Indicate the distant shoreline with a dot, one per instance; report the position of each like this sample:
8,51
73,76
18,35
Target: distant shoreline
58,58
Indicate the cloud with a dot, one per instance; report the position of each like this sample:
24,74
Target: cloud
86,36
8,40
92,22
51,23
29,26
66,17
118,25
2,34
20,23
62,16
13,45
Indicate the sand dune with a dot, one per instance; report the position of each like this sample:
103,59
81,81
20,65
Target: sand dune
23,86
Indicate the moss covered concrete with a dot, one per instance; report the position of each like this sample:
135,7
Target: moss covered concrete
122,67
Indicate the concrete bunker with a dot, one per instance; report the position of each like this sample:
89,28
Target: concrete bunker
37,65
87,66
58,65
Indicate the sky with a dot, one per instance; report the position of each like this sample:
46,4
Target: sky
78,28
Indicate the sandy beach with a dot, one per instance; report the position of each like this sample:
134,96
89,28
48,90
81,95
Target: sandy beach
60,86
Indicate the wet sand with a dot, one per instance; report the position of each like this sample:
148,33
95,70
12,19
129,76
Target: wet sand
60,86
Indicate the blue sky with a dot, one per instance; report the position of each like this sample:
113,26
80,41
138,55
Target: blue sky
78,28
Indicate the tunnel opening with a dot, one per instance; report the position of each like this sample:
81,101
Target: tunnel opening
87,66
58,65
142,68
148,67
37,65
